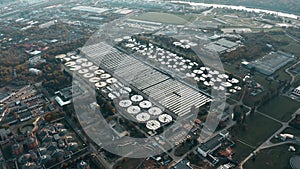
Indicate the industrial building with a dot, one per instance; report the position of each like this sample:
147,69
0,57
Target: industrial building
217,48
153,98
226,43
183,164
158,86
90,9
175,65
64,96
271,62
296,91
208,148
222,45
35,71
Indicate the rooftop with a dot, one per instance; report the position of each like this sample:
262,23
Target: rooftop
90,9
211,144
182,165
216,48
226,43
271,62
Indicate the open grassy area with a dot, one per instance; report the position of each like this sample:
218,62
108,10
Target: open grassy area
274,158
294,48
232,68
282,75
261,79
164,18
297,81
280,107
251,100
188,17
292,45
241,151
257,129
268,85
129,163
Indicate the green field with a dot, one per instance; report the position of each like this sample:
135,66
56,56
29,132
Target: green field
258,128
292,46
274,158
165,18
292,131
188,17
241,151
129,163
280,108
297,81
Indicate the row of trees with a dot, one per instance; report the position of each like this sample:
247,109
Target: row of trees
294,31
54,115
53,77
255,46
239,113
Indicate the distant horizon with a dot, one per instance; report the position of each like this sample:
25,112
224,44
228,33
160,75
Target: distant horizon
278,8
240,7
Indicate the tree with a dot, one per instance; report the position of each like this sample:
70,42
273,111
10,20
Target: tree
252,110
48,117
16,115
5,126
237,113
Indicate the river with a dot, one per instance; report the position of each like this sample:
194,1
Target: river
241,8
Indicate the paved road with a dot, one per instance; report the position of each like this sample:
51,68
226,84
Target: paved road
268,143
195,148
287,70
270,117
292,37
98,156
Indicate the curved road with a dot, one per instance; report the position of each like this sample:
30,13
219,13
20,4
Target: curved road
268,143
287,70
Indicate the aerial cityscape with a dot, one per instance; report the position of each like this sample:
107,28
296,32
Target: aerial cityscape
149,84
